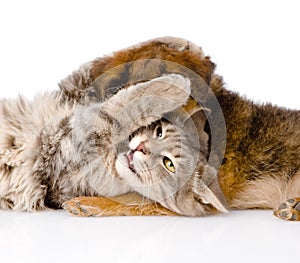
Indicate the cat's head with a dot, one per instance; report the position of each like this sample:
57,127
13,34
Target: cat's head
166,157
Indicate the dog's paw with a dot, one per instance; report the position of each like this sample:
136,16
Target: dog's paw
289,210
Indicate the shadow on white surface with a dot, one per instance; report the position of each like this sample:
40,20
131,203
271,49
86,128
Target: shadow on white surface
240,236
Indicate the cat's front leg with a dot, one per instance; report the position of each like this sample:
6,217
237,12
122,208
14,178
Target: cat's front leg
195,198
144,103
124,205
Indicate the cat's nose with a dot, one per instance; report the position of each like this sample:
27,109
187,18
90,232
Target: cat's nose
143,147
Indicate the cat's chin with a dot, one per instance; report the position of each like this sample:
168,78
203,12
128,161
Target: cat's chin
126,170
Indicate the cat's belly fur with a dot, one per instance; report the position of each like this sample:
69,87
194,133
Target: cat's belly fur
38,167
261,167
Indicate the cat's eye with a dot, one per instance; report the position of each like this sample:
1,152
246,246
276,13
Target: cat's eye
169,164
158,132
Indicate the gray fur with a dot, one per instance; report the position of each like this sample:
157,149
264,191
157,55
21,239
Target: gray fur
51,151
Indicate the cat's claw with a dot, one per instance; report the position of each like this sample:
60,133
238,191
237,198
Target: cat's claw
289,210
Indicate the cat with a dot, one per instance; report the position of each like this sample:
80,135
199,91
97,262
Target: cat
52,151
261,166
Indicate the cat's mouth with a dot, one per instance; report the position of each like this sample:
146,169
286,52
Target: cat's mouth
129,157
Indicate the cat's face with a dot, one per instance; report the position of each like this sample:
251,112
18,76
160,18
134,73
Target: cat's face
161,159
167,163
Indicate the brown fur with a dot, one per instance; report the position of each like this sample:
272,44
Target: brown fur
123,205
262,160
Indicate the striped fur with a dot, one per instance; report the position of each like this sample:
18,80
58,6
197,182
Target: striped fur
51,151
261,163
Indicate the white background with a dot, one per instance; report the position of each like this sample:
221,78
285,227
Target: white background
256,47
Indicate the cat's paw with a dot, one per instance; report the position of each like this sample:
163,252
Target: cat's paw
87,206
180,44
289,210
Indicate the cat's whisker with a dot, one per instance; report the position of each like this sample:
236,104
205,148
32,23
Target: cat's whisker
148,176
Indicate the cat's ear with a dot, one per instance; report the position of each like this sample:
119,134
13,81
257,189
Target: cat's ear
209,190
208,187
197,118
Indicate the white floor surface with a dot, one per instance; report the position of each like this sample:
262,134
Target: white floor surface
240,236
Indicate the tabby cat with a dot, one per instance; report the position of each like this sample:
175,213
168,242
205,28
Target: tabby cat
52,151
261,166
